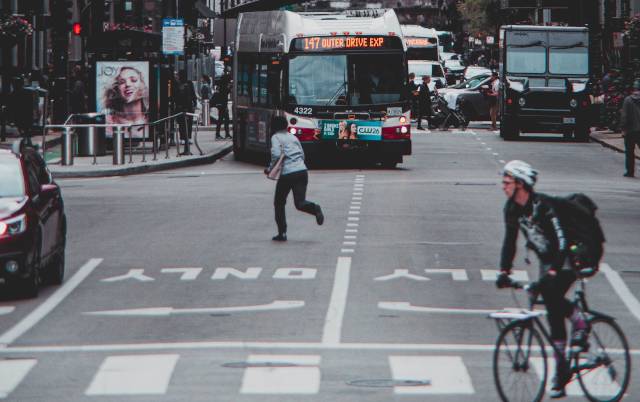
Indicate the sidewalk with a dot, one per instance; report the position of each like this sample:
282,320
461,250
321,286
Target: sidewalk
83,166
610,139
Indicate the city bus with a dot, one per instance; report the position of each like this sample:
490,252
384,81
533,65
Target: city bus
421,42
338,78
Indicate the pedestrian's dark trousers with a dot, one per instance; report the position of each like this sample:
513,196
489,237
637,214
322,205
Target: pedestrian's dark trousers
223,114
631,141
296,182
185,129
552,289
424,111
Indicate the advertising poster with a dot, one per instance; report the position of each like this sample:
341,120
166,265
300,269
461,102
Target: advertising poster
122,93
351,130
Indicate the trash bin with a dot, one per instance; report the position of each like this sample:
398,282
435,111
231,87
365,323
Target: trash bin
90,139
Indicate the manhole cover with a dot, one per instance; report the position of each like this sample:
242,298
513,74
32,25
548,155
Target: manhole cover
385,383
242,365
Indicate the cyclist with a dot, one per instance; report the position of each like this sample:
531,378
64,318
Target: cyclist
533,214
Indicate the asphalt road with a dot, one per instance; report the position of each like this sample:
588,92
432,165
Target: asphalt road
175,291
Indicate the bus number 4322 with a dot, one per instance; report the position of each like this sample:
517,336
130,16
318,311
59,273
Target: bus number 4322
302,110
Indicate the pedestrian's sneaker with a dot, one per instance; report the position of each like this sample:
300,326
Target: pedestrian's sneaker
319,215
562,377
280,237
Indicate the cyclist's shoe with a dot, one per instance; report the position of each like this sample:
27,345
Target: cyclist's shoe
562,377
579,339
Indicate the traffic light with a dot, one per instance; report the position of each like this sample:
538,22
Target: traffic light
62,15
68,13
77,29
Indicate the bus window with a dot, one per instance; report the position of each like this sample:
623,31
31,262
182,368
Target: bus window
274,84
262,85
255,87
378,79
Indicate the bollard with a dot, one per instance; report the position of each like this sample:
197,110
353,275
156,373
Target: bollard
118,147
67,147
93,143
205,112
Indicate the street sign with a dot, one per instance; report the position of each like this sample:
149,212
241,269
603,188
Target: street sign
173,36
489,40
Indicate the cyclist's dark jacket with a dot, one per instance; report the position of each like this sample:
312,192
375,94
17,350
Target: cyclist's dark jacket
541,227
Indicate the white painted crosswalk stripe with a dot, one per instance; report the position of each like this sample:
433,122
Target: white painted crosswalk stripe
299,374
133,375
573,388
445,374
12,372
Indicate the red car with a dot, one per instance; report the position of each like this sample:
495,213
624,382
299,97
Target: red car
32,223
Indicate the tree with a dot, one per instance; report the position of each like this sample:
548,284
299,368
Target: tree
482,17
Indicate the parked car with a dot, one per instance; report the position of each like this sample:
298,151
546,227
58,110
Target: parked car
468,97
432,68
444,56
453,70
32,222
473,71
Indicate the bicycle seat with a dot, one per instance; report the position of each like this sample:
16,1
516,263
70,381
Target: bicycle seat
516,314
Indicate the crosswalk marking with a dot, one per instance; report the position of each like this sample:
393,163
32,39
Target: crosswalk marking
516,275
446,374
301,377
12,372
133,375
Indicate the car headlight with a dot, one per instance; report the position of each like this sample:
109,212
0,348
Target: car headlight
573,103
522,102
13,226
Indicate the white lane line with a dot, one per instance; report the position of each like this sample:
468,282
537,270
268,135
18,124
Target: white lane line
6,309
356,198
350,237
501,161
622,290
488,149
446,374
242,345
353,212
133,375
353,219
351,230
12,372
303,377
348,243
495,154
355,207
347,250
518,275
337,305
45,308
356,202
352,225
358,193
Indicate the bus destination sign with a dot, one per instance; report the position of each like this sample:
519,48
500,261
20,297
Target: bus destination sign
328,43
420,42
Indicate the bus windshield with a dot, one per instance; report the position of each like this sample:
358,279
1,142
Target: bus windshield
341,79
569,61
531,59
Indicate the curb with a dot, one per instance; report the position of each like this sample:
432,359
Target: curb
607,145
127,171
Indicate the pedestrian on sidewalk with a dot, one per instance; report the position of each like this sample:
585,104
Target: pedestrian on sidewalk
78,101
185,100
294,176
630,123
424,102
205,94
221,99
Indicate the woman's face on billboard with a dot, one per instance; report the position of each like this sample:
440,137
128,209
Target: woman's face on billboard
130,85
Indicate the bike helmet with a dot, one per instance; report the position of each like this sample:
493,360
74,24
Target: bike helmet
521,171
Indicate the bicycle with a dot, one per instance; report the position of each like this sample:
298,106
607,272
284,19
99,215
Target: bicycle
602,368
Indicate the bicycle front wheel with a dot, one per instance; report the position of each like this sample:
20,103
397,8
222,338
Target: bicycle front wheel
520,363
604,369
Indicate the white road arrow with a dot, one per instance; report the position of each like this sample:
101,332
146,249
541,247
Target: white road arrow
167,311
405,306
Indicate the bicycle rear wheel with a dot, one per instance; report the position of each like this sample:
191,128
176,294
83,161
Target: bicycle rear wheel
520,363
604,369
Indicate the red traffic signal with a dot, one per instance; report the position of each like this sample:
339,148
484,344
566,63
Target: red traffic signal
77,29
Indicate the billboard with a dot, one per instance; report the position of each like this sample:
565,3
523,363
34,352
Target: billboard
351,130
122,93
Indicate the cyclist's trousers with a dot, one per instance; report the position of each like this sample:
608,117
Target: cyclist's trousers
552,289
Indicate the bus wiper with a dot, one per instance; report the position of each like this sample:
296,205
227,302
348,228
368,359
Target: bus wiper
341,88
579,44
532,44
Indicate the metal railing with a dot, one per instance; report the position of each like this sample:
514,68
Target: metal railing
167,125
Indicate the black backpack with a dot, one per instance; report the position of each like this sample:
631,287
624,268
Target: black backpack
577,214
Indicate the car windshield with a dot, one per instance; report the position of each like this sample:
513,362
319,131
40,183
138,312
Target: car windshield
11,180
472,83
341,79
531,59
420,69
453,63
569,61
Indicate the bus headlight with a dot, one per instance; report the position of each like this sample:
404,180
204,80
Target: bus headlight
293,130
522,102
404,129
573,103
